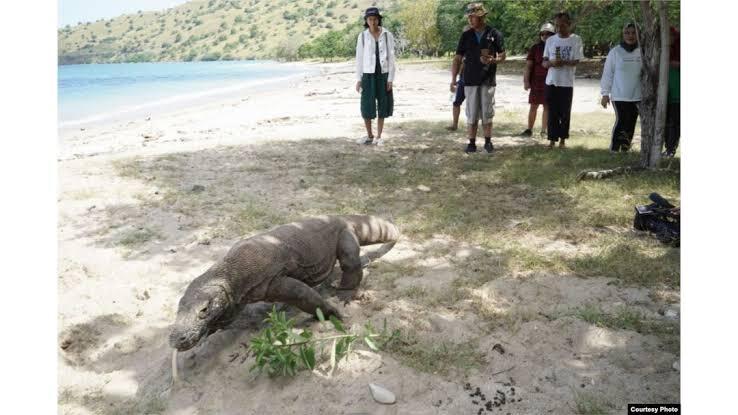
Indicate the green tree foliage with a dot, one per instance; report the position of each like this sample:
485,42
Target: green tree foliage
598,23
333,44
211,56
288,49
419,21
140,57
191,55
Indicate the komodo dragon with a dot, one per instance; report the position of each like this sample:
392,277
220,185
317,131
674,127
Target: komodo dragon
280,265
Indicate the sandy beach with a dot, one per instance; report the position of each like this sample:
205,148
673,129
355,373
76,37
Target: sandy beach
129,244
319,106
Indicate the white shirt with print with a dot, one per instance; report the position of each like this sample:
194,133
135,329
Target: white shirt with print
571,50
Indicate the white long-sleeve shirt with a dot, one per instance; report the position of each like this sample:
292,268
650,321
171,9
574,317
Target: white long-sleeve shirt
366,59
621,77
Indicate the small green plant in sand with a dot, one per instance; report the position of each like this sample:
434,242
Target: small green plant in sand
282,350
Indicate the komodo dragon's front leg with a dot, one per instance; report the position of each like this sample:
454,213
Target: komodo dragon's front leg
297,293
348,252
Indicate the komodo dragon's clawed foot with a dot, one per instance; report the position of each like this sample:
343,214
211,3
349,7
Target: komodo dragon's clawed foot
346,296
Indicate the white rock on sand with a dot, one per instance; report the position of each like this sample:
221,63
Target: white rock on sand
381,394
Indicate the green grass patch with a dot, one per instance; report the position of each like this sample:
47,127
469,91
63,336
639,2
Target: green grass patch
632,260
626,318
252,216
414,293
509,320
588,403
133,238
436,356
127,168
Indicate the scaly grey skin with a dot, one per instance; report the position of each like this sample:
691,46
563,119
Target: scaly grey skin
281,265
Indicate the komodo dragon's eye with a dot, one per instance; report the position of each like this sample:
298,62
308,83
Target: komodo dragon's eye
203,312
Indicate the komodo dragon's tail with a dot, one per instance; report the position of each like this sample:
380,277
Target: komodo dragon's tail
373,230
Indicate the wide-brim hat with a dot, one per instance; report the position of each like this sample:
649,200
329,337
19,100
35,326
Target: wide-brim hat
547,27
372,11
475,9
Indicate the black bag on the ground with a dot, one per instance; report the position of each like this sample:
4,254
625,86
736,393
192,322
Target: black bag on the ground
660,218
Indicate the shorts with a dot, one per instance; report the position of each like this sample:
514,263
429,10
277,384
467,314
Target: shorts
459,99
376,101
480,103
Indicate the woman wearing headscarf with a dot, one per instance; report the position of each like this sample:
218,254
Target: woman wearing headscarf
621,85
375,72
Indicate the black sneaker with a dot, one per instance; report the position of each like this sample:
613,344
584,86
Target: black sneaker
489,147
471,148
527,133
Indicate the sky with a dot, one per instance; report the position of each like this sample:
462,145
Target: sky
73,11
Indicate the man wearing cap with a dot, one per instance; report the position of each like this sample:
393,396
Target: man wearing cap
375,72
534,79
482,48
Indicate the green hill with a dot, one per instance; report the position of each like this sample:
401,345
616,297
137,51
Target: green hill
258,29
209,30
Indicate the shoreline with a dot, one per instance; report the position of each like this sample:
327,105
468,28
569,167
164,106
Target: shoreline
318,104
179,101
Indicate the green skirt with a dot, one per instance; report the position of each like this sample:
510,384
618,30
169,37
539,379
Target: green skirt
375,99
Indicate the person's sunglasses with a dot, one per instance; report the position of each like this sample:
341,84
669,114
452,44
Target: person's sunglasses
545,34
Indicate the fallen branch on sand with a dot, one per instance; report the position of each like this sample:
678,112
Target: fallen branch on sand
503,371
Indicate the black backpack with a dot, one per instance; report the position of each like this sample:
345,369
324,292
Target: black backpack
660,218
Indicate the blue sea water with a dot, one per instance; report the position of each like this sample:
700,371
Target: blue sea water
89,93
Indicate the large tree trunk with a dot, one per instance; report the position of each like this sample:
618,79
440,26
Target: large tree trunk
654,42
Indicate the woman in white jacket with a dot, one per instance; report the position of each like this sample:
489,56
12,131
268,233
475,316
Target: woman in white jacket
375,72
621,85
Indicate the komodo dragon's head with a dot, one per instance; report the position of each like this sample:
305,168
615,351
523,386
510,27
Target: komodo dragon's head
201,312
